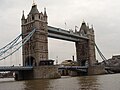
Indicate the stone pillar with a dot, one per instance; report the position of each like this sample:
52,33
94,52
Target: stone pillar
36,49
42,72
85,48
91,46
96,70
82,52
73,73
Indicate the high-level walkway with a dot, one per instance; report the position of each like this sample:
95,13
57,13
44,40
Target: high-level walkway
59,33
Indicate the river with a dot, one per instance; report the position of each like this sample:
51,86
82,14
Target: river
98,82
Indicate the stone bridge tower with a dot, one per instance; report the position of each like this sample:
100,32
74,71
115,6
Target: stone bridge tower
85,49
36,49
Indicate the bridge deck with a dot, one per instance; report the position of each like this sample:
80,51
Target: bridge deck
15,68
73,67
19,68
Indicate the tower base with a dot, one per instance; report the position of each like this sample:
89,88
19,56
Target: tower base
96,70
41,72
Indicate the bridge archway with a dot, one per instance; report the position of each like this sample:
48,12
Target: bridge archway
84,63
30,61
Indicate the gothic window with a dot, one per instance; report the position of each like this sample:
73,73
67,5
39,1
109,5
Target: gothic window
33,17
41,56
82,33
30,19
41,47
25,21
42,37
41,17
29,26
41,24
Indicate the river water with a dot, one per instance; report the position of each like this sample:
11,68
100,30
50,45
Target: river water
99,82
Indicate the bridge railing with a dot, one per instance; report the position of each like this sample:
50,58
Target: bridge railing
14,68
73,67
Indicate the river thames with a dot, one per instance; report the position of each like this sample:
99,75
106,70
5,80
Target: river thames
99,82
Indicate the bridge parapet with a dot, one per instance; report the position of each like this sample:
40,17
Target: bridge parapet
72,67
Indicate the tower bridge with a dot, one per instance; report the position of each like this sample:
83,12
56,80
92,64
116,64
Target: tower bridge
35,33
84,39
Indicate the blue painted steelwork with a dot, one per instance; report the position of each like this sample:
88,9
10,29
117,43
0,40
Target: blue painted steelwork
74,68
52,32
15,45
11,42
9,45
15,68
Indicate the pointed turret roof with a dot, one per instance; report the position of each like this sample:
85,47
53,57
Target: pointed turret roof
23,16
83,23
45,14
83,27
34,9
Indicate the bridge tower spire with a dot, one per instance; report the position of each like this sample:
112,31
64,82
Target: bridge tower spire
23,18
33,2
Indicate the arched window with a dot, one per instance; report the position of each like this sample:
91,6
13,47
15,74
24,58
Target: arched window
30,61
33,17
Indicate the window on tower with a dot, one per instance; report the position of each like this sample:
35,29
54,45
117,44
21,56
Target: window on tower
33,18
39,16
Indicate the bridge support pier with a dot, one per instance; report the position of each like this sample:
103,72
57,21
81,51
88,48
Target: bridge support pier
41,72
96,70
73,73
23,75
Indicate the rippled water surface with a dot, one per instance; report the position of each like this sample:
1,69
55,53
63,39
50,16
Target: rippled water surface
100,82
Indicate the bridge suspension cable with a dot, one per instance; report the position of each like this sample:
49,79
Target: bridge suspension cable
15,45
9,45
101,54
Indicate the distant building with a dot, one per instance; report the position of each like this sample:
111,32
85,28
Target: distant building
116,57
114,61
69,63
66,72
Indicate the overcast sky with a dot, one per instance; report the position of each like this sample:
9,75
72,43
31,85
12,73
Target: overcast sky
103,14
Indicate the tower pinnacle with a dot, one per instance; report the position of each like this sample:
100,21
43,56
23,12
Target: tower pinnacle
34,2
23,17
34,9
45,14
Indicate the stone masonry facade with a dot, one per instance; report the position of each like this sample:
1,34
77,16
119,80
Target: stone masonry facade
36,49
85,49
